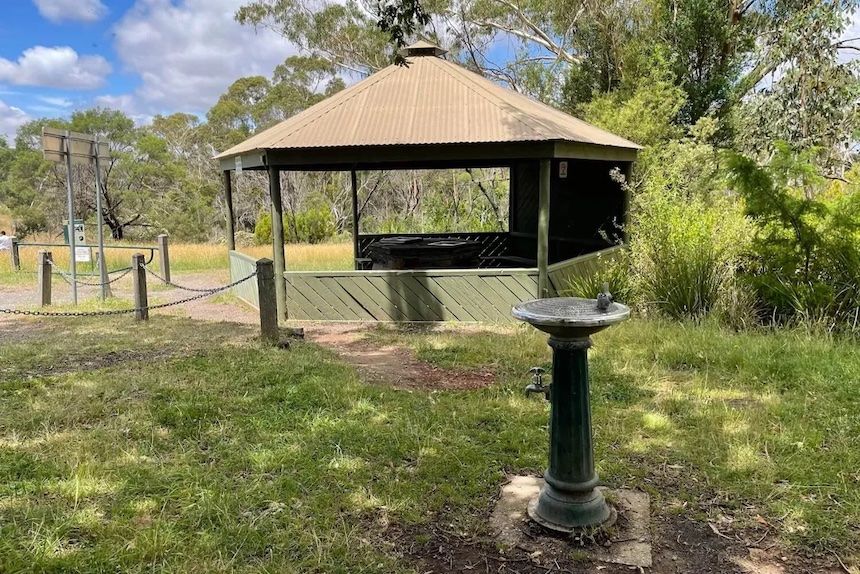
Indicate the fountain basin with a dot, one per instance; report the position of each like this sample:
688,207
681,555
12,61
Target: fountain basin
569,317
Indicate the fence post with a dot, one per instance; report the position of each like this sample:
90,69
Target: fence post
268,300
16,258
164,257
45,277
138,274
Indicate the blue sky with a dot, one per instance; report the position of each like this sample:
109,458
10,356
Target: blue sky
141,56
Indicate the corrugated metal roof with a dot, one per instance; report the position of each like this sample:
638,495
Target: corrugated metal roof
429,101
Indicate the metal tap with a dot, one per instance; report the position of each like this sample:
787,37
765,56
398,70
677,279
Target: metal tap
537,385
604,298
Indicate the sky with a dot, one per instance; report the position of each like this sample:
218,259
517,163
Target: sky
143,57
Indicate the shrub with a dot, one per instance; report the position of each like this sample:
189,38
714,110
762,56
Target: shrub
263,229
313,225
613,271
807,238
685,253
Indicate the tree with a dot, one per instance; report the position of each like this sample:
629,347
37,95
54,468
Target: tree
343,34
812,101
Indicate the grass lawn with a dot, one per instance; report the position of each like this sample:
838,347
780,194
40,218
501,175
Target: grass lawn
188,447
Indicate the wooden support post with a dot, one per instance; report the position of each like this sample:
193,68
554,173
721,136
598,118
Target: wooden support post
45,277
164,257
543,228
353,178
268,300
16,256
278,255
138,274
228,199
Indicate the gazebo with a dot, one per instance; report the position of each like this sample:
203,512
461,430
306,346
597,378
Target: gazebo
567,210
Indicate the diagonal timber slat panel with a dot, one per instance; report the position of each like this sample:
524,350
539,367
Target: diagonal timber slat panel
485,295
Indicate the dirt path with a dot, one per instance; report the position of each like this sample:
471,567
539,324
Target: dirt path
391,364
386,364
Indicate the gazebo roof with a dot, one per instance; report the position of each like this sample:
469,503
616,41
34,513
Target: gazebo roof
428,102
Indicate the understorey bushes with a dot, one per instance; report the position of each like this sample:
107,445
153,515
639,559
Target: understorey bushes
747,244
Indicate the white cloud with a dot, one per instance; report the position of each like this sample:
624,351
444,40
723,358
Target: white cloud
55,67
75,10
11,118
188,52
56,101
126,103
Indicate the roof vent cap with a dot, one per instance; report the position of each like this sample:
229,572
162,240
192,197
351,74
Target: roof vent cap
422,48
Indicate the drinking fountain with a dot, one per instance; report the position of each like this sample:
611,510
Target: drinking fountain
569,498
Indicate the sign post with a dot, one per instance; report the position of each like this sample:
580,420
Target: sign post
70,200
65,146
103,276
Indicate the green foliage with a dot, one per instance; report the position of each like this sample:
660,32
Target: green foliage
313,225
614,273
807,252
708,45
812,102
685,254
645,113
263,229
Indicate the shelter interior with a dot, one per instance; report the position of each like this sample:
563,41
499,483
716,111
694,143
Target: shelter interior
587,211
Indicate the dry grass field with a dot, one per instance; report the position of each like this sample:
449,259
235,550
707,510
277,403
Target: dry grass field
184,257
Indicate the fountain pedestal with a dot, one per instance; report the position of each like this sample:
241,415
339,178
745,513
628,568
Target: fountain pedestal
569,499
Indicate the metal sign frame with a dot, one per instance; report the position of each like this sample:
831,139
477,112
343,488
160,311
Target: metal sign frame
64,146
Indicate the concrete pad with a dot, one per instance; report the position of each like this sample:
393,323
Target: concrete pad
510,514
630,538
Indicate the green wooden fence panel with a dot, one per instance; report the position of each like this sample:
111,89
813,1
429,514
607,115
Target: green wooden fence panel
242,265
482,295
561,274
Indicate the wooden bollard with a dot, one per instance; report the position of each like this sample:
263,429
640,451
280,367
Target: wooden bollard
16,256
45,277
138,274
268,300
164,257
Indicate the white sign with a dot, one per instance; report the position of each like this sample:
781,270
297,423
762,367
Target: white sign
562,169
238,164
83,254
79,233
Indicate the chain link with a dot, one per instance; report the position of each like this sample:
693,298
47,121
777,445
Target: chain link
67,277
177,286
123,311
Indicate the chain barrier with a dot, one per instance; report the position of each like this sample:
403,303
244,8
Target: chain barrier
67,277
123,311
175,285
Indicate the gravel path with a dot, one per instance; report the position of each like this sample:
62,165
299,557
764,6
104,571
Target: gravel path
216,308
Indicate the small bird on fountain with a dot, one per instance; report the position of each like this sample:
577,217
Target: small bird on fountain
604,298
